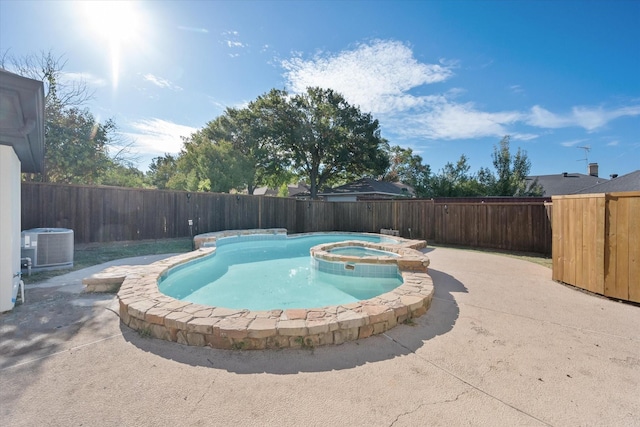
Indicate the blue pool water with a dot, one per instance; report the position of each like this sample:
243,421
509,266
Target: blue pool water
360,251
271,274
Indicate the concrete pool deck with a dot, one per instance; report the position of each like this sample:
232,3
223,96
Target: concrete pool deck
502,344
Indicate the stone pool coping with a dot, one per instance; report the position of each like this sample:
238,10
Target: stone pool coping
144,308
406,257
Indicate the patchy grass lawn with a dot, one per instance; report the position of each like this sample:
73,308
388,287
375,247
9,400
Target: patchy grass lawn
86,255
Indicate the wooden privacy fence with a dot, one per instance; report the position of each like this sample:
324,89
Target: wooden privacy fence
596,243
521,226
103,214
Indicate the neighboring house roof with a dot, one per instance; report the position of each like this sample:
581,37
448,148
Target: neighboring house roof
565,183
294,190
265,191
628,182
299,189
22,119
368,187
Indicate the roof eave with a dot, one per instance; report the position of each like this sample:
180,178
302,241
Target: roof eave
22,120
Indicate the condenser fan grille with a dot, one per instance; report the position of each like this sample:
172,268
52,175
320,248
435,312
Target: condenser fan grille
55,248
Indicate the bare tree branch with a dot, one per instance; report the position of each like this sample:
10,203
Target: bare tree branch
47,68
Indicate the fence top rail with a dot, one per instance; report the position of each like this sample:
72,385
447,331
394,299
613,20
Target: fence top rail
541,203
580,196
624,194
599,195
469,200
491,199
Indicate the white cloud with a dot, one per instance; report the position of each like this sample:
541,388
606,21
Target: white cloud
572,142
447,120
523,136
219,105
455,92
232,43
160,82
546,119
88,78
383,77
589,118
193,29
223,105
375,76
613,143
379,76
156,136
517,89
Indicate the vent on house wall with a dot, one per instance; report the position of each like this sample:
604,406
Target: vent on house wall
48,247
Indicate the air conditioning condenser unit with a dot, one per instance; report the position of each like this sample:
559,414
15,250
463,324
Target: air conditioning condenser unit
48,248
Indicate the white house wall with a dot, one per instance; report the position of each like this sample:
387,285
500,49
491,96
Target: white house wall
342,198
9,226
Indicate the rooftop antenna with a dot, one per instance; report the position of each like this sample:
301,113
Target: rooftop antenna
586,149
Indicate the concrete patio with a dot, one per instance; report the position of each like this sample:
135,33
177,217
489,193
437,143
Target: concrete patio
502,344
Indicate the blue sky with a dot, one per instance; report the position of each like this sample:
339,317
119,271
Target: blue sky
443,77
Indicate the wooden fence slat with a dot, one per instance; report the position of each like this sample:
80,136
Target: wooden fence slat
634,249
557,241
600,244
611,247
588,248
580,236
622,254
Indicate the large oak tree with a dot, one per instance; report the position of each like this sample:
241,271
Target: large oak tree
317,136
324,138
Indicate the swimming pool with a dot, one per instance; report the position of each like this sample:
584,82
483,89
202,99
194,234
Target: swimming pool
144,308
278,273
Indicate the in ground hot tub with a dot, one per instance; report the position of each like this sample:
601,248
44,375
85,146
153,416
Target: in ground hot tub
360,251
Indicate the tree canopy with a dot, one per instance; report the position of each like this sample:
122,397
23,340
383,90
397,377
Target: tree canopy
161,170
406,167
326,139
250,132
455,180
316,136
206,165
76,147
512,171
